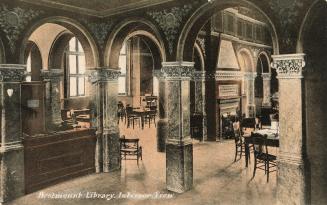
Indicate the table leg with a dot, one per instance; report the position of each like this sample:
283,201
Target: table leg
247,152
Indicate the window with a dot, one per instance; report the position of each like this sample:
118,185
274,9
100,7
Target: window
122,80
28,69
75,65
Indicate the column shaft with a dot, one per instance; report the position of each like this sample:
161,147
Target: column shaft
53,104
11,150
266,90
292,163
179,149
162,125
107,146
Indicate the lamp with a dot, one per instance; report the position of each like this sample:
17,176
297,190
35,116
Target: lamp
10,92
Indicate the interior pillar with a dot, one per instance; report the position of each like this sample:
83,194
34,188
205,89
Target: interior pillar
200,103
250,77
179,148
53,115
162,124
11,150
106,94
292,159
266,90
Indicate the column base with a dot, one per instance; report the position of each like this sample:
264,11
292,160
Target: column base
12,174
111,152
291,186
179,170
162,132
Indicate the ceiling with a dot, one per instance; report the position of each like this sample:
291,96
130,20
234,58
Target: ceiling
100,8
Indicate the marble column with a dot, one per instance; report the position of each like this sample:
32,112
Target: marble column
179,148
53,78
162,124
11,149
266,90
249,77
292,157
105,83
200,103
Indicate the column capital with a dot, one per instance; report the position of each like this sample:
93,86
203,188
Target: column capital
199,75
228,75
103,75
52,74
250,75
266,76
178,70
12,72
289,66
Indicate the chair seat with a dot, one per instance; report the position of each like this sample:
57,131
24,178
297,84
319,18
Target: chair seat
130,150
264,156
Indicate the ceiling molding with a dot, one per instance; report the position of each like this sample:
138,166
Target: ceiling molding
92,12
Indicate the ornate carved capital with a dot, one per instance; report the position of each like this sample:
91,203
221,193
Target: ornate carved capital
103,75
177,70
266,76
52,74
228,75
250,75
289,66
12,72
157,73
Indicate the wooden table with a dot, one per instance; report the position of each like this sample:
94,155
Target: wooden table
272,141
142,113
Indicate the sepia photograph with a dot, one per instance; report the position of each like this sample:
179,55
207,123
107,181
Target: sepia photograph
163,102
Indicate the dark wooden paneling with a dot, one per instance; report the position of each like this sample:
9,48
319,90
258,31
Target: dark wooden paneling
50,159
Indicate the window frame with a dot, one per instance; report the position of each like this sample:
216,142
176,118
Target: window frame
76,53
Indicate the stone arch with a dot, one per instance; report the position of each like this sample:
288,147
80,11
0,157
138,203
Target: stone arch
87,41
57,50
264,59
308,20
36,59
198,51
245,60
126,29
201,16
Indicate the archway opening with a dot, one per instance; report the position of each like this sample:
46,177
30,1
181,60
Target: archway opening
56,103
229,31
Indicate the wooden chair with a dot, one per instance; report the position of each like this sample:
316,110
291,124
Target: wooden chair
132,117
150,117
121,113
239,144
130,149
262,159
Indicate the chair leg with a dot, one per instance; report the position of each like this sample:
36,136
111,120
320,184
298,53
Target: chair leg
268,171
154,120
235,152
255,167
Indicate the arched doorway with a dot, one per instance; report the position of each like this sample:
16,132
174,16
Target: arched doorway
226,94
249,101
60,101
